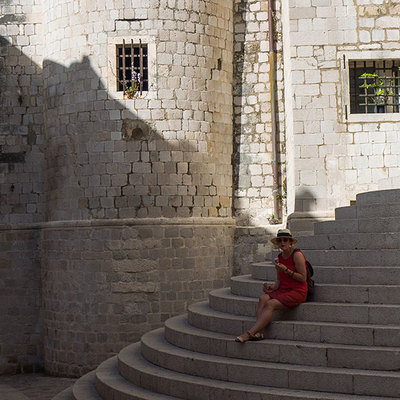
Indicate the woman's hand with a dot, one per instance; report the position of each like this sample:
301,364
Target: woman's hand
280,266
267,288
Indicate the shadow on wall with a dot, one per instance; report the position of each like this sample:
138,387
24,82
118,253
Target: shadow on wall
21,156
252,244
102,160
21,201
301,222
90,157
251,150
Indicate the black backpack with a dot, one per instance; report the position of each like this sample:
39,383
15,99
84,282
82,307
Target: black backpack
310,281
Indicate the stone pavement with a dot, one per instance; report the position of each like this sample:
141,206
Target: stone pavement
32,386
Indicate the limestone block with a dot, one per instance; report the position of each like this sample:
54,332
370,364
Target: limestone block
364,176
392,34
378,35
377,137
318,38
302,12
306,24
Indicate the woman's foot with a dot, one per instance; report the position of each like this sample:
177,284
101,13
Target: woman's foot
243,338
257,336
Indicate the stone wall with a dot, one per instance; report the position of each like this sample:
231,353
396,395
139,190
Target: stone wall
338,155
105,284
77,151
253,156
326,154
82,162
21,158
21,328
252,245
180,163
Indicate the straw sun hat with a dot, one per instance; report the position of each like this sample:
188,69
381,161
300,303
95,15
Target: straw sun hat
283,233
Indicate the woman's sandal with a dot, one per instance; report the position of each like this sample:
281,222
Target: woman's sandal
252,338
256,337
239,339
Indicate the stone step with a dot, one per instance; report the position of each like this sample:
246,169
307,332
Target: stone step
64,395
200,315
378,197
160,352
368,210
351,241
378,210
364,225
355,275
135,368
349,257
353,258
245,285
380,314
84,388
301,223
111,385
179,332
346,212
341,226
326,354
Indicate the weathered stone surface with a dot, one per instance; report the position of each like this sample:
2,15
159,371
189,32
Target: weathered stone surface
107,284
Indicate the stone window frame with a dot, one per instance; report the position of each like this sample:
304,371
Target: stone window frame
112,44
344,58
133,72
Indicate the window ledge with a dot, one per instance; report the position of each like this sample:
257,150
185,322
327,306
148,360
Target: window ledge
378,117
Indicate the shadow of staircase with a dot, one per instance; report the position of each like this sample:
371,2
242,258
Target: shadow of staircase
342,345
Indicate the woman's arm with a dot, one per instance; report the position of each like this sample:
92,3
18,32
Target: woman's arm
300,274
268,288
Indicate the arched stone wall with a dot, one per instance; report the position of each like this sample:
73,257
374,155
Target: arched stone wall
181,167
107,283
138,223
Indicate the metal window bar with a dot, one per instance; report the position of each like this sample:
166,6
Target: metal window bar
375,86
132,61
141,66
123,68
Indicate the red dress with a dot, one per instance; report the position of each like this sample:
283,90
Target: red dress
290,293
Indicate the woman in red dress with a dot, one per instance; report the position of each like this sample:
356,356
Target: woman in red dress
289,290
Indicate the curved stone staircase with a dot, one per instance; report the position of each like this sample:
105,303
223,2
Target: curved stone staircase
343,345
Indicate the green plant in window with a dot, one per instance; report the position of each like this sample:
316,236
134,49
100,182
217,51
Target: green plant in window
272,220
134,88
376,89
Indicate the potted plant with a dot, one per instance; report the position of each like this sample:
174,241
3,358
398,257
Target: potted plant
377,92
134,88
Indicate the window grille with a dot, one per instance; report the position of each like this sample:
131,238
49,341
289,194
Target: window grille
374,86
132,65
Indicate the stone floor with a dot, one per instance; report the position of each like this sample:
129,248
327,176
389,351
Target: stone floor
31,386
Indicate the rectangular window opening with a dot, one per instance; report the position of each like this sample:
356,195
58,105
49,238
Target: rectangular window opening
374,86
132,68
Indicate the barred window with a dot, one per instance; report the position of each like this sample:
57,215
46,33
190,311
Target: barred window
132,68
374,86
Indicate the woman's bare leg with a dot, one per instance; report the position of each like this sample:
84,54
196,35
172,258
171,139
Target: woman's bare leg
262,303
265,316
265,310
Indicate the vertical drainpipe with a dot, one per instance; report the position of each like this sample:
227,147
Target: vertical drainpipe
272,85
